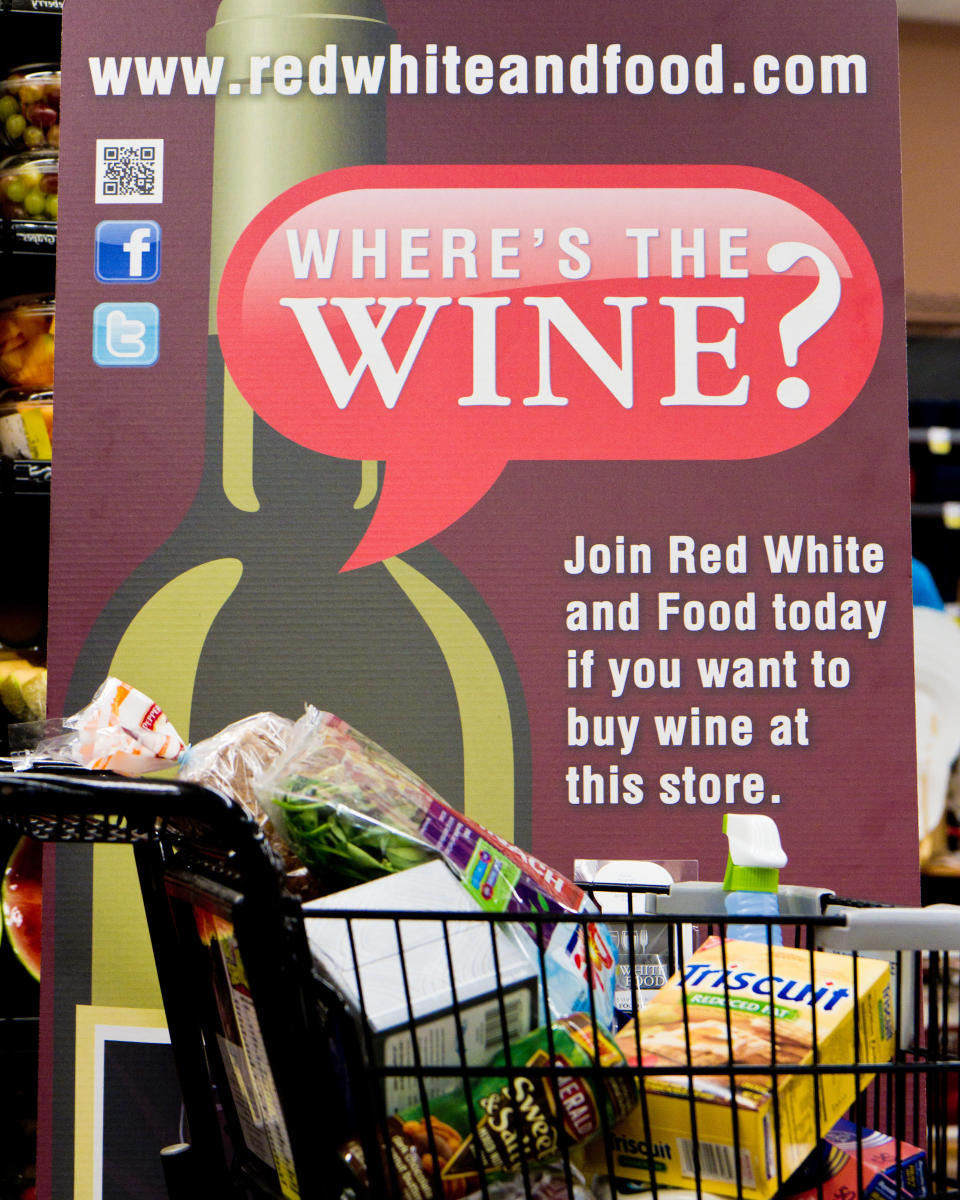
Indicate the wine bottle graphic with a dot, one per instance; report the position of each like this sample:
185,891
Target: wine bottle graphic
245,606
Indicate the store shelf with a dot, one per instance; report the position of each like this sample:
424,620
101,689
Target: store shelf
36,8
933,362
29,33
29,238
21,478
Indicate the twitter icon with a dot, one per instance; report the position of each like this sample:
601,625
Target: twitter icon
126,335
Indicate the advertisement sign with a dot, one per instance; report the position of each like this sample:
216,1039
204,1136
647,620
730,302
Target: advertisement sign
529,393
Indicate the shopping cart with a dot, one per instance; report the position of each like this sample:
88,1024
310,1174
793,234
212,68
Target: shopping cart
291,1087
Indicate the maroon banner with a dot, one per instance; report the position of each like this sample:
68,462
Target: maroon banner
525,386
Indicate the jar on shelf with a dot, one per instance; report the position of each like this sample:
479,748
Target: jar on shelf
30,107
26,342
29,186
26,425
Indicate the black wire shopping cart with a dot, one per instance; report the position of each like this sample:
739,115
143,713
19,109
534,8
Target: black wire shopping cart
329,1052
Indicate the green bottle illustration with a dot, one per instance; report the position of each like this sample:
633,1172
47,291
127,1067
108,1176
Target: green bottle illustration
244,607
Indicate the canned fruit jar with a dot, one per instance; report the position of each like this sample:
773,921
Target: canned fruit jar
30,107
26,342
29,186
26,425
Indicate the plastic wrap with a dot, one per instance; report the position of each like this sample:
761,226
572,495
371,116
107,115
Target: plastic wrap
341,810
124,731
352,812
231,760
120,730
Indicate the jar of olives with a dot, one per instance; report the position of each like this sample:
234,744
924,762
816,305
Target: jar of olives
29,185
30,108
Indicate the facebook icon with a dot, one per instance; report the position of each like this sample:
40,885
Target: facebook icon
127,251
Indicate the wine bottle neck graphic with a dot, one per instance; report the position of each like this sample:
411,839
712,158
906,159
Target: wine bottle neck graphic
246,601
265,141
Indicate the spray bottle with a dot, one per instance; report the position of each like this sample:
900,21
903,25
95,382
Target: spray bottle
753,875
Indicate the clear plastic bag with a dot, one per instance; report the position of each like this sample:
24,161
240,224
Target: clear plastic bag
124,731
120,730
231,760
352,812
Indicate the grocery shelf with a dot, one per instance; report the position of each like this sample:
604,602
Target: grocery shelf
933,370
29,32
22,477
939,439
34,8
30,237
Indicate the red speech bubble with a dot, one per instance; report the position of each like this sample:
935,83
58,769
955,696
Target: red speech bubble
445,320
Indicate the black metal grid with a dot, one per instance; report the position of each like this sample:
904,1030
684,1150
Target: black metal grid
321,1069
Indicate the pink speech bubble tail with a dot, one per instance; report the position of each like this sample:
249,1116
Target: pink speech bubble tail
420,498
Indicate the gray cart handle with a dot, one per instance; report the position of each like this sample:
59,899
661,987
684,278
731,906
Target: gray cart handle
936,927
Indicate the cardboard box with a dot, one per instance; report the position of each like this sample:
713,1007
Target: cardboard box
767,1114
833,1174
435,984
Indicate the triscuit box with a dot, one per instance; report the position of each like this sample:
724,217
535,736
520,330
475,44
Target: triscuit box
367,956
744,988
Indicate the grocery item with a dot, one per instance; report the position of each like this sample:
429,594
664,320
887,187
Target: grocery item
26,424
649,953
229,761
348,809
686,1025
30,107
510,1119
351,810
21,897
602,1190
542,1183
123,730
752,877
23,687
120,730
831,1171
29,186
403,975
26,342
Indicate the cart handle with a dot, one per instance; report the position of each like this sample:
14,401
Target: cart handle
936,927
147,804
79,806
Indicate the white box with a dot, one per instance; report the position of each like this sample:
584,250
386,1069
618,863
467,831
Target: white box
443,975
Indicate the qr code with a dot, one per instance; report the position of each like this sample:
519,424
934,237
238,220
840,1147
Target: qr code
129,170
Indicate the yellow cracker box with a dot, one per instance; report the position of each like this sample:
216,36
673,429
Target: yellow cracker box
732,1005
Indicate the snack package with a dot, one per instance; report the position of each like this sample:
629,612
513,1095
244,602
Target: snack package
120,730
351,811
508,1120
718,1015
